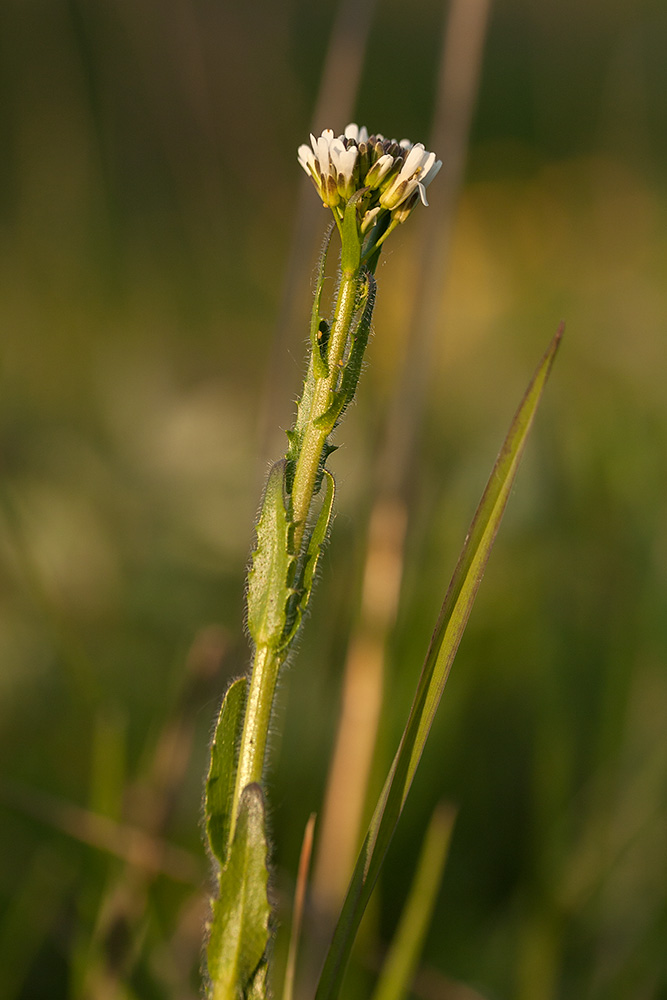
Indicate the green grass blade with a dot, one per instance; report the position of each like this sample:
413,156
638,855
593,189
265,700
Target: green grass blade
444,644
401,962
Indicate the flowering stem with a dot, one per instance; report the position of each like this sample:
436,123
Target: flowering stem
265,668
374,245
371,184
317,431
330,383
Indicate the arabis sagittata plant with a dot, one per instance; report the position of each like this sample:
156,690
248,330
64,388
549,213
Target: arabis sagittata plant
371,185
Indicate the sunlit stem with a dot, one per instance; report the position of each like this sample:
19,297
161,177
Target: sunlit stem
314,439
267,661
265,668
338,220
374,247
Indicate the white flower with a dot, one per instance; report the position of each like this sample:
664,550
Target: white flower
343,162
379,170
331,164
389,175
419,169
352,131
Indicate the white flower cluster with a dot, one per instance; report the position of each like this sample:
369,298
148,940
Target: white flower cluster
392,175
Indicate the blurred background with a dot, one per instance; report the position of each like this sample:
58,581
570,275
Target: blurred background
157,250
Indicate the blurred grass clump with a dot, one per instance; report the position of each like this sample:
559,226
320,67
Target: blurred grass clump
147,188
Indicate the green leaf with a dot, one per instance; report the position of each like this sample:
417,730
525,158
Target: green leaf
317,539
272,565
317,340
343,396
304,585
401,962
444,644
222,769
239,930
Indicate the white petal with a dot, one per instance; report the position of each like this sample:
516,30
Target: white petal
427,163
356,133
369,219
346,162
422,193
336,150
426,179
385,163
410,186
413,160
322,153
306,157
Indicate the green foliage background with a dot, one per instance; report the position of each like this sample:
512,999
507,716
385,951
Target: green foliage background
147,188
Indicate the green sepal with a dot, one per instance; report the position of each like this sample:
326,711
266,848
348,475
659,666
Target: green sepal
318,342
350,254
222,770
239,929
270,576
371,251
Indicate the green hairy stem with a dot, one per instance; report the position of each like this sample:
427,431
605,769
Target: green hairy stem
290,536
333,371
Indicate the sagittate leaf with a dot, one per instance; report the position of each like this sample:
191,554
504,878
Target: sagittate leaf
444,644
317,333
222,769
239,931
305,575
272,565
343,396
317,539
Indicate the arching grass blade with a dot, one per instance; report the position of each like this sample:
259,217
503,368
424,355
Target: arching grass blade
449,629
